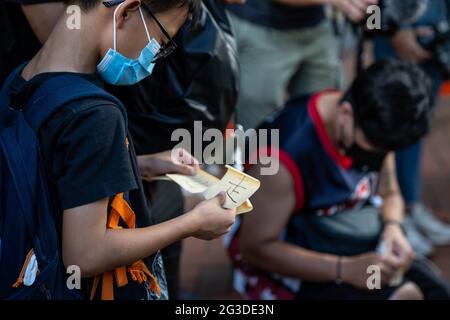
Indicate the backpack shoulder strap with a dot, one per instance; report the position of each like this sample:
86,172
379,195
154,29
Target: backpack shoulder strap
60,91
5,86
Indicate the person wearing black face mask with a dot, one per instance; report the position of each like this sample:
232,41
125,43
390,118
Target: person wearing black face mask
362,159
366,160
319,221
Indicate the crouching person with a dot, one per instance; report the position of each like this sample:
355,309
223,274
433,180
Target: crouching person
332,216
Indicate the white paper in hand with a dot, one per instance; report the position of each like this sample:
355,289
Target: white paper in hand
398,278
237,186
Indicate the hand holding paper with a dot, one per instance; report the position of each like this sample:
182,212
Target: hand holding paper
238,187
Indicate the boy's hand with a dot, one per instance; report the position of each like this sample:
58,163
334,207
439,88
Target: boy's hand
211,219
174,161
398,246
355,10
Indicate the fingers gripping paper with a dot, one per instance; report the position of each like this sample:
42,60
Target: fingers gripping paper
238,187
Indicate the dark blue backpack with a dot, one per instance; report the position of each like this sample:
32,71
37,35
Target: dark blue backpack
27,213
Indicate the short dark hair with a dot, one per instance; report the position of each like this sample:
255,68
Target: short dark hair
156,6
392,102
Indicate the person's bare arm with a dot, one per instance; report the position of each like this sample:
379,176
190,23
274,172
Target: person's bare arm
43,18
88,244
393,205
261,246
393,210
355,10
260,241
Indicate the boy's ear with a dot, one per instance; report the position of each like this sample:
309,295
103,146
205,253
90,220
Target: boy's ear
122,13
346,108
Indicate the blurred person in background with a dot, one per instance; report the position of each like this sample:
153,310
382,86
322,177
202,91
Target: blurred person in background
334,209
411,42
25,25
286,47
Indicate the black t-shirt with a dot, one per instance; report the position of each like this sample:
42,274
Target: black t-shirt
88,156
272,14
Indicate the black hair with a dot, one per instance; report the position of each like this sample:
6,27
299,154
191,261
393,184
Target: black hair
392,102
156,6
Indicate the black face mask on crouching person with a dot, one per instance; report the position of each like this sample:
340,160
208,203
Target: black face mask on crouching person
366,160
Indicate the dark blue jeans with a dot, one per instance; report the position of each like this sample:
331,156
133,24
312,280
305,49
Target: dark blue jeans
409,160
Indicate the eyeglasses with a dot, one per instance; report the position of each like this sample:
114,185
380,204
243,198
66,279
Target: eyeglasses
166,49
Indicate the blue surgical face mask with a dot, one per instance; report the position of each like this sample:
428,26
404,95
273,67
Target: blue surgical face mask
119,70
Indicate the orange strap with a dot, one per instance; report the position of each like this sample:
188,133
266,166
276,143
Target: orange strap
107,286
139,273
94,287
120,209
121,277
19,281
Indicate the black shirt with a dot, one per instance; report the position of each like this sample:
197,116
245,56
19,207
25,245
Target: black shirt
272,14
88,158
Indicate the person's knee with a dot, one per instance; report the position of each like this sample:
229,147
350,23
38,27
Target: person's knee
409,291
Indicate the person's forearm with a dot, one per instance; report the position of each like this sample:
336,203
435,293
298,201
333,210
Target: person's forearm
43,18
125,246
393,208
293,261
